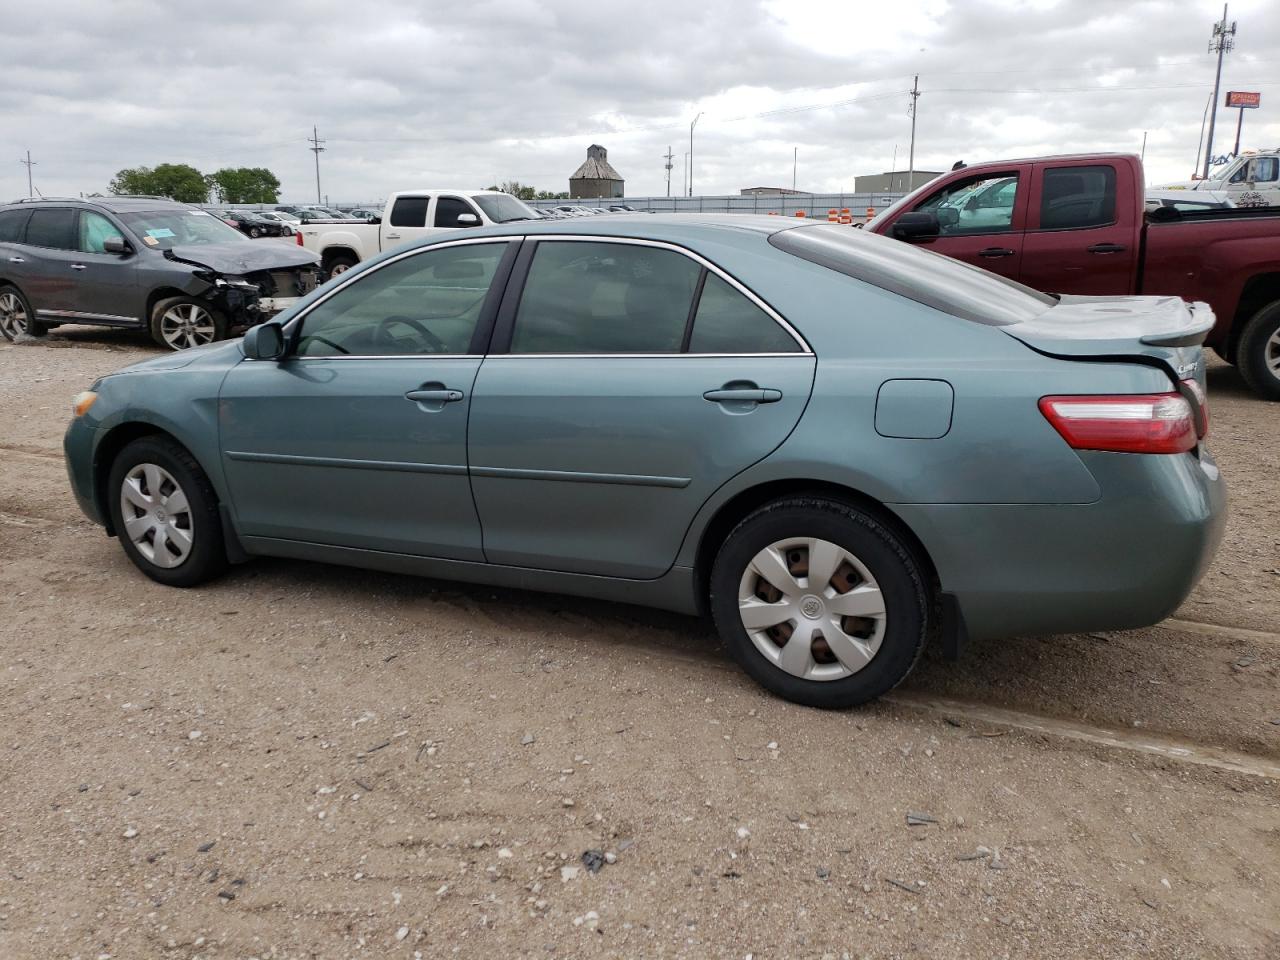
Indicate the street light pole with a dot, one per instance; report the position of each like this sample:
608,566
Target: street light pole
691,126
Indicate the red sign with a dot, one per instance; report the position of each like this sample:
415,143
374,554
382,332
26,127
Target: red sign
1243,98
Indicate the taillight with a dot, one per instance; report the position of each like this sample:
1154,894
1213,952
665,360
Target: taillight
1138,423
298,234
1200,408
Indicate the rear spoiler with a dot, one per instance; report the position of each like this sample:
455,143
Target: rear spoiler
1200,320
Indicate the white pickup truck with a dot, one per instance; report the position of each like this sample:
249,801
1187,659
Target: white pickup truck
1250,180
409,215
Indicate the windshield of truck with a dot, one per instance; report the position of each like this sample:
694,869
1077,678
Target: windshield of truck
164,229
503,208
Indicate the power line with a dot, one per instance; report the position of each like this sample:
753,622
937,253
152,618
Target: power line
317,147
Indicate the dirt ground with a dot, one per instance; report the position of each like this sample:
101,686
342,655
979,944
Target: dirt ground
309,761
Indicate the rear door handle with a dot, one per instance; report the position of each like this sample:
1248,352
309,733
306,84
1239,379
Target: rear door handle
743,395
1106,248
994,253
77,266
393,236
17,260
443,395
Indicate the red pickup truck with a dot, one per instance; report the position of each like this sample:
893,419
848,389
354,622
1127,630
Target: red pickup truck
1078,225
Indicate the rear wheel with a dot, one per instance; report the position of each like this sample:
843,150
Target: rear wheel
339,264
255,232
165,512
16,316
182,322
820,602
1258,352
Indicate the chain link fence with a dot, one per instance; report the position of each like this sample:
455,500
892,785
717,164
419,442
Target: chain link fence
811,205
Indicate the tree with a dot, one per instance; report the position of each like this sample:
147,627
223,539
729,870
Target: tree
177,181
551,195
517,189
246,185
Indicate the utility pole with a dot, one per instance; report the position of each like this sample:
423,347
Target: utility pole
684,173
669,165
29,163
1143,156
911,163
795,159
1221,43
317,147
691,126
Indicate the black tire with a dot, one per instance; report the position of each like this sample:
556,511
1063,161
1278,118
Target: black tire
207,556
157,325
255,232
28,325
909,604
337,264
1225,355
1258,352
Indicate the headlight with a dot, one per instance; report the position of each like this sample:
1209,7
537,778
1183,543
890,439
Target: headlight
81,403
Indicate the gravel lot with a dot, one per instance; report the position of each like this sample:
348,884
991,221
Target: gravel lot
308,761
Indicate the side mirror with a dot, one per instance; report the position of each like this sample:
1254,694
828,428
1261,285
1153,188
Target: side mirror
468,220
917,225
264,342
115,245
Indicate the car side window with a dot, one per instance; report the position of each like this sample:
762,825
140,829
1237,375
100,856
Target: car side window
54,228
1072,198
12,224
94,230
1264,169
428,303
981,204
604,298
409,212
727,322
448,209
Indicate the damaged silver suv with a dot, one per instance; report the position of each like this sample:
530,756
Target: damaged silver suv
145,262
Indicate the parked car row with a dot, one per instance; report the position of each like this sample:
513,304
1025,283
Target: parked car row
174,270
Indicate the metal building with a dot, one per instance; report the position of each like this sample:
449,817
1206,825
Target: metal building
596,177
893,181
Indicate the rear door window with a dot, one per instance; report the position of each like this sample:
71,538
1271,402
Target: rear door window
605,298
1072,198
54,228
728,322
409,212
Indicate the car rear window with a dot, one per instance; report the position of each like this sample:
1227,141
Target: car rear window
12,223
929,278
54,228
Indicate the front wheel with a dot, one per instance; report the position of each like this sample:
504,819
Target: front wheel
1258,352
255,232
182,322
820,602
165,512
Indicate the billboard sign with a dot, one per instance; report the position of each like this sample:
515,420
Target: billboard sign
1244,98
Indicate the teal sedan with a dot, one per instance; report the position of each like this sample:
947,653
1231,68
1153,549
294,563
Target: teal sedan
835,445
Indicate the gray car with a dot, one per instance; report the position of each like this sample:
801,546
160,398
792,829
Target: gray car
171,269
835,444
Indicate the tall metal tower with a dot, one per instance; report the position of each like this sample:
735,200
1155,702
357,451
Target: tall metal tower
317,147
669,165
1221,43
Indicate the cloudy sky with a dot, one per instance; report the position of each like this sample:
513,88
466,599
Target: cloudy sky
412,94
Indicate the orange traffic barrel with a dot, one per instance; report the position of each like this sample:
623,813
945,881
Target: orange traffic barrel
845,216
833,216
871,212
799,213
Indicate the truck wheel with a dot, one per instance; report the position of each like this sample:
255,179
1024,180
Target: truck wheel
182,322
1258,352
339,263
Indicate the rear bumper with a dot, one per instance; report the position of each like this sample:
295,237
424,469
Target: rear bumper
1127,560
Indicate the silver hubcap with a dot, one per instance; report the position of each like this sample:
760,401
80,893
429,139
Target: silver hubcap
812,608
338,268
1272,354
13,318
186,325
157,518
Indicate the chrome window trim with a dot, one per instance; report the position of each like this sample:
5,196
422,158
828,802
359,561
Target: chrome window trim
697,258
805,349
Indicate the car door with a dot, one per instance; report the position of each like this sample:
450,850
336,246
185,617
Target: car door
358,437
628,380
1079,238
48,256
107,288
981,220
407,221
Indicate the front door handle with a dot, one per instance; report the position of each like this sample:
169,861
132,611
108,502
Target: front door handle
440,395
994,253
77,266
751,394
17,260
1106,248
